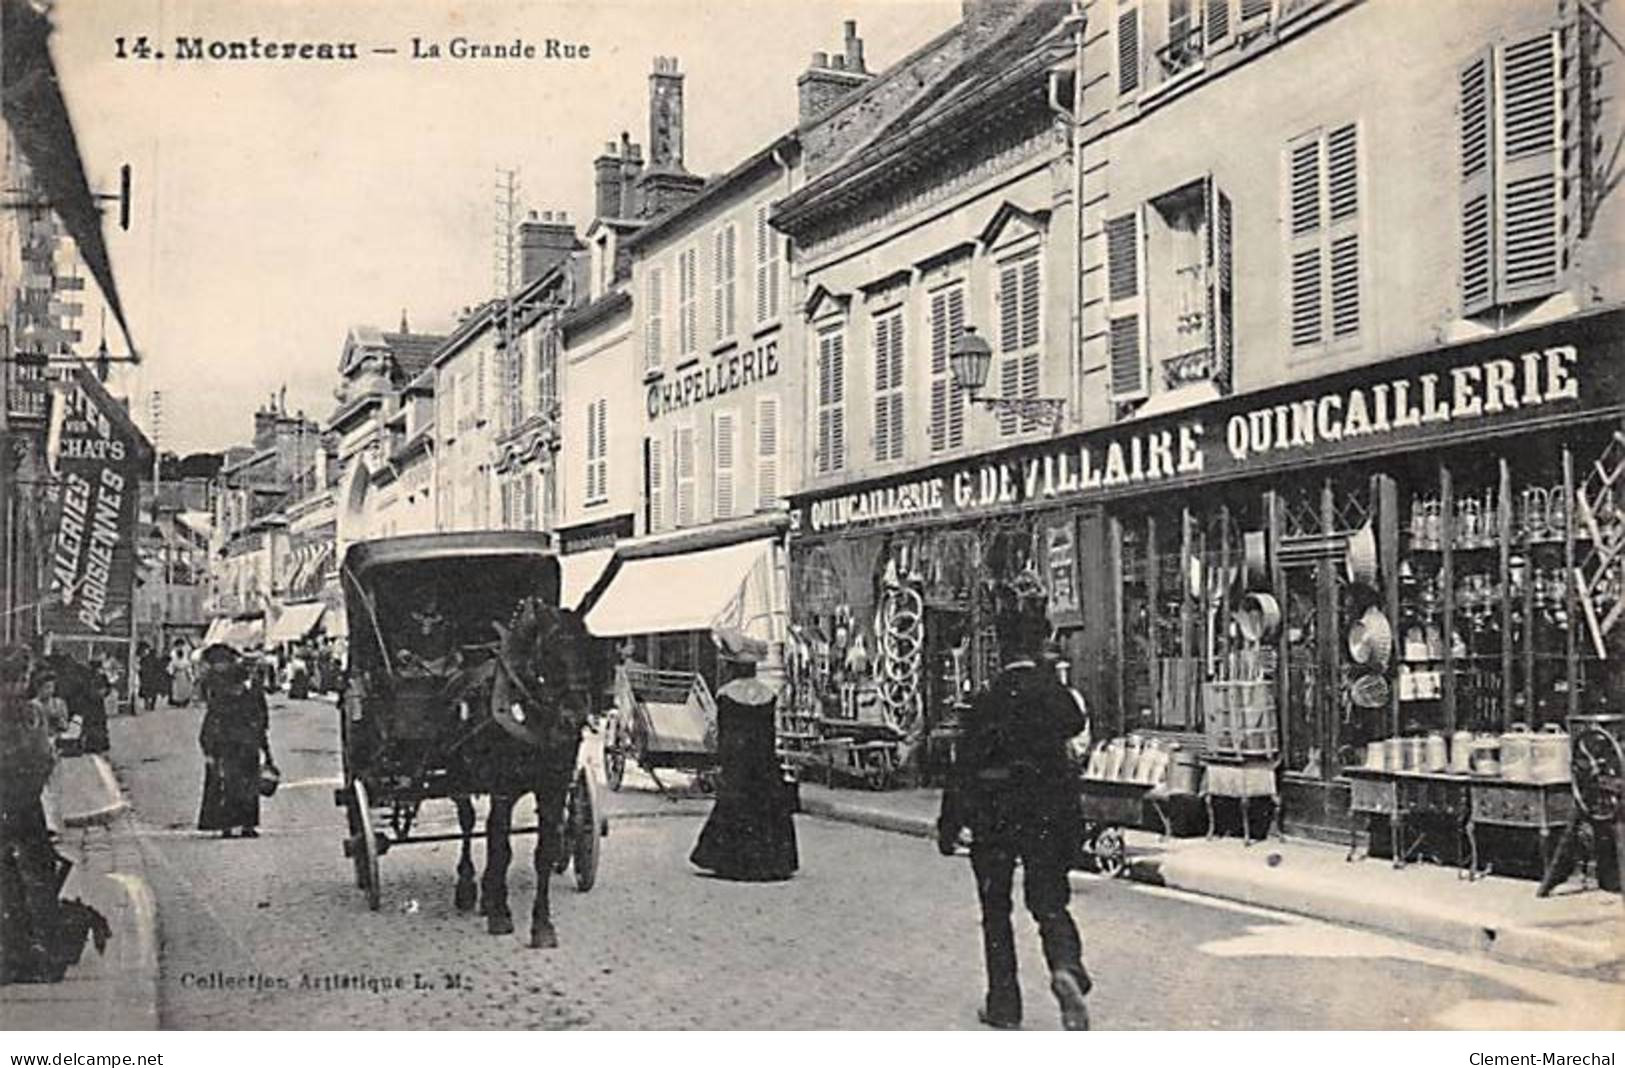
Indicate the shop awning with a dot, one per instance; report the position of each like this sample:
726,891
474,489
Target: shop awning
244,633
725,586
216,632
295,623
579,572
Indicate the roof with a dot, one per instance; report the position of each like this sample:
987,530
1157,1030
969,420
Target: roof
661,225
414,352
363,556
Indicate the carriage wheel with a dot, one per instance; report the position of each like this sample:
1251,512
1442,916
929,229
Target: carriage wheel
1110,854
1597,756
365,850
615,758
584,832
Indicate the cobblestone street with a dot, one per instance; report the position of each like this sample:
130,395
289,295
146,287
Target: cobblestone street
877,932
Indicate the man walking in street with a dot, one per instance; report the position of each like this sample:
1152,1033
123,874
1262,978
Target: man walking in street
1012,785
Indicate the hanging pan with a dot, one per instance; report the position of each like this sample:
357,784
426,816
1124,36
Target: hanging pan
1360,558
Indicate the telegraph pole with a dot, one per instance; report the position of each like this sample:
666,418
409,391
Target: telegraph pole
156,403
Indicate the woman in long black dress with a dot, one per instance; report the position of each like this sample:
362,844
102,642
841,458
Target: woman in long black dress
751,833
233,737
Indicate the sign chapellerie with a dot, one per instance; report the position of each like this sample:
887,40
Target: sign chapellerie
91,564
724,375
1369,414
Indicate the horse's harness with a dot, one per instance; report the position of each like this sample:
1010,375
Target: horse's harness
502,662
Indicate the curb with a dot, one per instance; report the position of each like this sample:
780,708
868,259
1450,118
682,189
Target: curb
1511,944
105,815
139,1012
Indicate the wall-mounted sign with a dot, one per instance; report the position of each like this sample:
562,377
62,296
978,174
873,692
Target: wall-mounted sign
724,374
1060,565
1556,373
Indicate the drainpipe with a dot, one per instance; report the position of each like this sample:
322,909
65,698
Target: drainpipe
1079,22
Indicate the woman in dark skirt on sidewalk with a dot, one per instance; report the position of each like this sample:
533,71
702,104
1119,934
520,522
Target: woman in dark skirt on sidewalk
233,737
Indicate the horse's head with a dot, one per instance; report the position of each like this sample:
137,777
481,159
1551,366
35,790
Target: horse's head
547,648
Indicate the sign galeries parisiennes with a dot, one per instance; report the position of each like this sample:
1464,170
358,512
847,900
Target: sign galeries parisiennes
724,374
1357,417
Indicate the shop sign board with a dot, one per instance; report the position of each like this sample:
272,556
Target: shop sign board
98,458
724,374
1060,565
1536,378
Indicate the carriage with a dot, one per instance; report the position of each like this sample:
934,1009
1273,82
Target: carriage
661,719
429,690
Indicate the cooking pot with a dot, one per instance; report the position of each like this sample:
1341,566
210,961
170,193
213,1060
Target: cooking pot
1360,557
1259,617
1371,639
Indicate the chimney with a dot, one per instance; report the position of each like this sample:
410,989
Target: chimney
544,243
631,171
607,180
666,116
264,428
830,78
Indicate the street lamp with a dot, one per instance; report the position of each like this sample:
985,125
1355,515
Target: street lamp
969,360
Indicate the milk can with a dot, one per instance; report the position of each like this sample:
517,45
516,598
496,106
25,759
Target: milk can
1549,755
1517,747
1436,753
1414,750
1461,753
1487,755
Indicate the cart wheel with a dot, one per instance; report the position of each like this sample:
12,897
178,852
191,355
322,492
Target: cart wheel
584,832
365,850
1110,855
614,758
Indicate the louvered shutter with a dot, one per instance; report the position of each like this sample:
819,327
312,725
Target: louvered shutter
1343,209
1528,249
591,489
1221,286
956,396
653,318
685,476
655,484
1009,386
1031,301
1010,307
1032,366
1127,357
1256,9
1477,186
724,447
730,280
1218,21
767,451
687,300
1128,51
603,447
764,265
883,388
719,261
527,483
1305,230
831,399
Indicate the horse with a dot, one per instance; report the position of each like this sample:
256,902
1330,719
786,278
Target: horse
528,706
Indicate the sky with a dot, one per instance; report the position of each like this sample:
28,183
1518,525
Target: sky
276,204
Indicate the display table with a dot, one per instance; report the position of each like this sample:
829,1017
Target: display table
1240,779
1541,807
1406,798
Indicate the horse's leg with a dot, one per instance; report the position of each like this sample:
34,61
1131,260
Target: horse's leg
498,853
552,784
466,889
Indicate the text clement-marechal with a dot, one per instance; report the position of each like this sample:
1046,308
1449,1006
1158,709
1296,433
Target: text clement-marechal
254,48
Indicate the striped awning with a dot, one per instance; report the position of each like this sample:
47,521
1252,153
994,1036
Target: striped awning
309,568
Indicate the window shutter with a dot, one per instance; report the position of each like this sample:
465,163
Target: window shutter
685,476
479,387
1342,208
767,451
651,351
725,428
719,260
1128,51
592,453
1477,186
1009,386
1529,241
1009,307
764,266
1218,20
655,484
1031,301
527,483
1221,286
687,300
1255,9
883,387
1130,379
603,447
837,377
956,397
1304,252
1032,369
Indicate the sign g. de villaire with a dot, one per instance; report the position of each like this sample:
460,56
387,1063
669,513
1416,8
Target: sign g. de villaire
1427,400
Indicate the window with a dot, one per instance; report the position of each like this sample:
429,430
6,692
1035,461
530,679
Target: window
479,388
888,389
767,451
831,387
685,476
688,269
1020,361
598,450
724,453
947,400
527,486
654,484
507,504
547,371
654,324
1515,127
725,243
1323,237
768,269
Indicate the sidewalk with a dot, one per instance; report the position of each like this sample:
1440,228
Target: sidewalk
117,991
1571,931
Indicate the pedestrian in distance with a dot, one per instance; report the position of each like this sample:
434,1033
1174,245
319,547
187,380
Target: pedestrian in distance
153,677
1012,785
28,862
234,736
182,676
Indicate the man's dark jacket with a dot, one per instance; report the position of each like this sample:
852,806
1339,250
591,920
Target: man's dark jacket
1011,773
